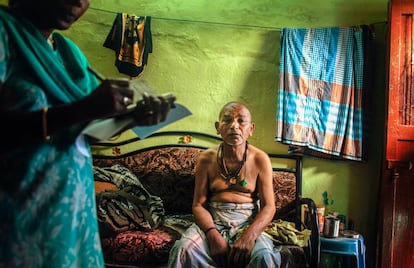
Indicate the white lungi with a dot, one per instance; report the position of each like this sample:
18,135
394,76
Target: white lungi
230,219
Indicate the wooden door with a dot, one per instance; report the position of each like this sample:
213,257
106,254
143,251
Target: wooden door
397,239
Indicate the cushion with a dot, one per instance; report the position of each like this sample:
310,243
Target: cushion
101,186
145,247
139,247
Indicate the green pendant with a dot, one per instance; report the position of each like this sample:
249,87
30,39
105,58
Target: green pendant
243,182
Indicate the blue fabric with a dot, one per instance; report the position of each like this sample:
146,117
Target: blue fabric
49,220
320,91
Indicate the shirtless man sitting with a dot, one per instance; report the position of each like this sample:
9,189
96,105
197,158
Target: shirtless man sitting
233,201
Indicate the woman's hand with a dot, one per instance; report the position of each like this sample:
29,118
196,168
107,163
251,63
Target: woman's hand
110,98
113,96
152,110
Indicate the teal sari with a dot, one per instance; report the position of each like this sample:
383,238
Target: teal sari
49,219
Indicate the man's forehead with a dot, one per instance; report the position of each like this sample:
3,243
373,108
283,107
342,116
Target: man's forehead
236,112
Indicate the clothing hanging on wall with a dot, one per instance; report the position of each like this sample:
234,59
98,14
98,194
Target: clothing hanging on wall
131,39
322,91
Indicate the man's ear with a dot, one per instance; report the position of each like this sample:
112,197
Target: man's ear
217,127
252,126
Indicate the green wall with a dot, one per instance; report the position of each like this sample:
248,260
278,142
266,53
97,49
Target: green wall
211,52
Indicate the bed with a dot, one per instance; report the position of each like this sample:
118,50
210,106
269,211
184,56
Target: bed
163,164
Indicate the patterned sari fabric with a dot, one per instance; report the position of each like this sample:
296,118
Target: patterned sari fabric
322,84
47,201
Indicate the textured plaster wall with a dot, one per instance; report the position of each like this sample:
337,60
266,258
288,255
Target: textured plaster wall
211,52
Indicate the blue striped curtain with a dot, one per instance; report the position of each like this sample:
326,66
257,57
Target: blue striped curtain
320,97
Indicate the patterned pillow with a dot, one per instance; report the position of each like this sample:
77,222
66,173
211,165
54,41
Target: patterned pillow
146,247
139,247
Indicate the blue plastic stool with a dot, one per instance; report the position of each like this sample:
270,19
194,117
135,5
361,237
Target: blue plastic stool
345,246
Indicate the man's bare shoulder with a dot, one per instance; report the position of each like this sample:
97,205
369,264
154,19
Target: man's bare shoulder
208,155
261,158
257,151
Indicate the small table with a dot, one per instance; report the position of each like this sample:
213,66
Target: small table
345,246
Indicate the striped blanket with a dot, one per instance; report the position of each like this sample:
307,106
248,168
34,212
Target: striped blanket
320,98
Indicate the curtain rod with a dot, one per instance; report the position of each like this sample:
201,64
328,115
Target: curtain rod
210,22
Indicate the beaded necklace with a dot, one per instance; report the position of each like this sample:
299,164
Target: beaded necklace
231,178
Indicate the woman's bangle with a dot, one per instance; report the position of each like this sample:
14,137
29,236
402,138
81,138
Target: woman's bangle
209,229
44,124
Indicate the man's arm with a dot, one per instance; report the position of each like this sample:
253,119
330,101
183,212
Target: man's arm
202,216
218,245
240,253
266,194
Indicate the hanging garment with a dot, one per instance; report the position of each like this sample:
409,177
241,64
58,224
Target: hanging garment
131,39
321,89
